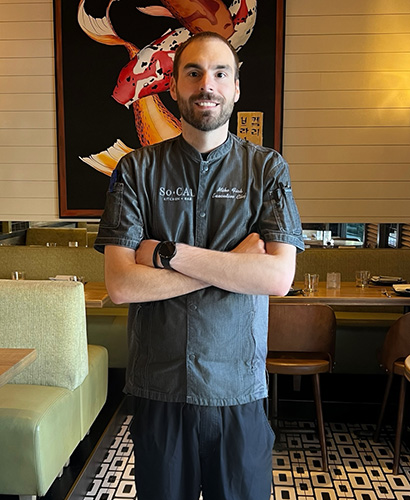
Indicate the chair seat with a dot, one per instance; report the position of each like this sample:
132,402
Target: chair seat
398,367
295,366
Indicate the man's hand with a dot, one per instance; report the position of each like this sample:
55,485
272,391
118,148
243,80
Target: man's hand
251,244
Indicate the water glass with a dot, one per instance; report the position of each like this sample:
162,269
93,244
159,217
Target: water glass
18,275
333,280
362,278
311,282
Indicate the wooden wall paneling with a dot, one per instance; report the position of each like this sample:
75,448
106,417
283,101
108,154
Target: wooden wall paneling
29,137
348,7
41,208
346,119
25,173
17,189
348,172
28,156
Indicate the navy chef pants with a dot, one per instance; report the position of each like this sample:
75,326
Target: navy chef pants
181,449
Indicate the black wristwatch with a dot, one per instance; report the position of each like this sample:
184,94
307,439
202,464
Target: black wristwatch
166,251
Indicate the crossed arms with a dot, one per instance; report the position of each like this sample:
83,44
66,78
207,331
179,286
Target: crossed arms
252,267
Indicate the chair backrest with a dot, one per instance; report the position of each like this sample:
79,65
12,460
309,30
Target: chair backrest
396,343
59,235
302,328
50,317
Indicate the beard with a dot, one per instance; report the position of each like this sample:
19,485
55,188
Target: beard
205,120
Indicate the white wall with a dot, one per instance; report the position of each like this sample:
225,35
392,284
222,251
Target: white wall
28,152
346,118
347,109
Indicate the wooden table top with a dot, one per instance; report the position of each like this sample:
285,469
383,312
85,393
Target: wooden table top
13,361
96,294
348,295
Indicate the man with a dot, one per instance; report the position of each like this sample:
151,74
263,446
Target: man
197,232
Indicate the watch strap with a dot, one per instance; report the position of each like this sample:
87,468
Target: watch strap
165,260
155,256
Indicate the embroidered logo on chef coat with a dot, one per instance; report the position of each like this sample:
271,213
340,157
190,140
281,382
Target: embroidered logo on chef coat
179,193
232,193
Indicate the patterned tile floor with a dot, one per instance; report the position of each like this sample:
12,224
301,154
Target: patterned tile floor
359,468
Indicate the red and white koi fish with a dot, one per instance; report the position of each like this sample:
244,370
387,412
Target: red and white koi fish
149,72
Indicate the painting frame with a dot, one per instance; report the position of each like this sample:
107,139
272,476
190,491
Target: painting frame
81,191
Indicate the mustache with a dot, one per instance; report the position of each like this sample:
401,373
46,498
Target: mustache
206,96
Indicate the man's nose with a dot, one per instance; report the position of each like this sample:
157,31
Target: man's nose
206,83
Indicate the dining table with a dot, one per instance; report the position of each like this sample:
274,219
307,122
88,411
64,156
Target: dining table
13,361
96,295
347,295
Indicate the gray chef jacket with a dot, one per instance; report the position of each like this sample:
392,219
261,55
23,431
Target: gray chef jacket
207,347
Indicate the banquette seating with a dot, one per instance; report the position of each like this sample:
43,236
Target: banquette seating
48,408
57,235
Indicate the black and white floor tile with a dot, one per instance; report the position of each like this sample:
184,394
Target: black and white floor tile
359,468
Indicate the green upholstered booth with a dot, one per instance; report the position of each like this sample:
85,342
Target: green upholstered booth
59,235
48,408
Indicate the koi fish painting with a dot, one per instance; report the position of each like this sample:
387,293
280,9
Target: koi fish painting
114,62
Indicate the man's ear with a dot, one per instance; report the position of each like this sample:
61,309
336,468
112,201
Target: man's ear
173,88
237,90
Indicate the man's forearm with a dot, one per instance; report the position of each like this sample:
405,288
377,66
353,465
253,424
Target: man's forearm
251,273
129,282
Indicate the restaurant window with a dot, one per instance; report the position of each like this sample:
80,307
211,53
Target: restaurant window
333,235
392,236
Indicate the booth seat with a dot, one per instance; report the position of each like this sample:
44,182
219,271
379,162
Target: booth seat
48,408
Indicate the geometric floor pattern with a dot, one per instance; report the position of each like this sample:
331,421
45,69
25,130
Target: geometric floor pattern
358,468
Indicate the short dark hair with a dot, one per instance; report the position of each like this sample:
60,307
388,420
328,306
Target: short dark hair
199,36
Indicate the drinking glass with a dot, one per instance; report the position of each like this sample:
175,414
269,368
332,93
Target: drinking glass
18,275
362,278
333,280
311,282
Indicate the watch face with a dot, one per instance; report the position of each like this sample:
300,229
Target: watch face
167,249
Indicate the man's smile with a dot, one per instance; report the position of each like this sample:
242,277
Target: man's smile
206,104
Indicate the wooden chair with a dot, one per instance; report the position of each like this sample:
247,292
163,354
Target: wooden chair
301,341
395,349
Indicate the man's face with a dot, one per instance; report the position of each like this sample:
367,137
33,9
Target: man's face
206,89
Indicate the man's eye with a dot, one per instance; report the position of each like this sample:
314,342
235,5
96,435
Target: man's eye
194,74
221,74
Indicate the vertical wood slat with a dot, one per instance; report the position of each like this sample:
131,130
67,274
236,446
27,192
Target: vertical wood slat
404,236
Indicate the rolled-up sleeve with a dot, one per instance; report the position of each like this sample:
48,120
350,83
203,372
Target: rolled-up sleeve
121,223
280,221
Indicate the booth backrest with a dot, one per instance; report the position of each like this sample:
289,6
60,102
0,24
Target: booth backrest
380,262
40,263
59,235
43,262
50,317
